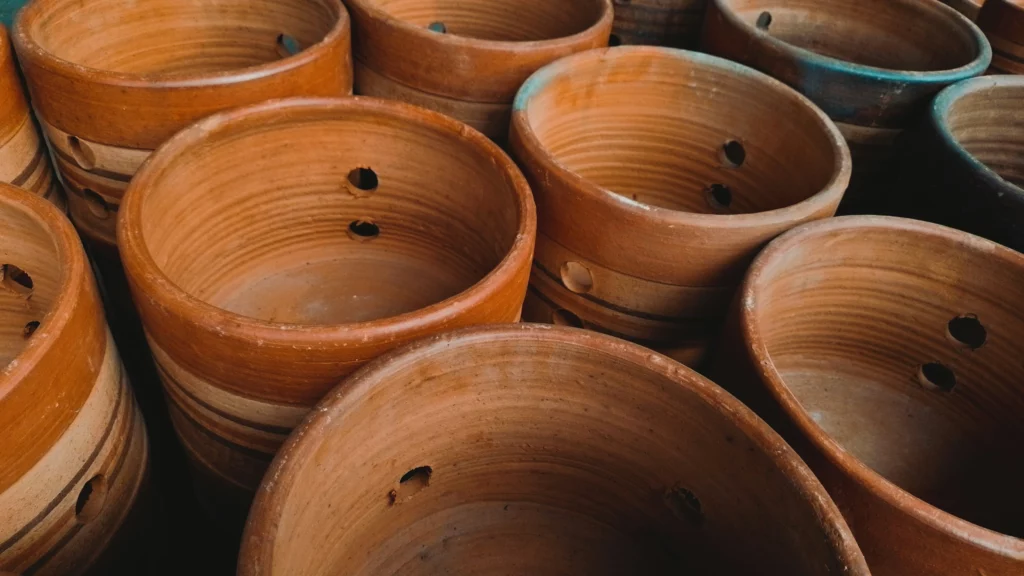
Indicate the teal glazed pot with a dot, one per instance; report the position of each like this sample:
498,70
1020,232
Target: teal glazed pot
859,61
8,8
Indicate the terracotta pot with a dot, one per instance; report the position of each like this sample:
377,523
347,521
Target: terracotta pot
1003,24
467,58
74,454
658,22
274,249
112,79
535,450
23,158
859,61
968,8
658,175
885,351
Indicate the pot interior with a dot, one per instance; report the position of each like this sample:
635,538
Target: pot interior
179,37
666,129
904,347
329,216
499,20
537,456
871,33
988,124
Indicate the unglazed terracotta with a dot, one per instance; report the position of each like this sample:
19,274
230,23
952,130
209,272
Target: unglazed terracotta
23,158
73,456
1003,24
467,58
658,175
887,352
274,249
112,79
530,449
658,22
858,60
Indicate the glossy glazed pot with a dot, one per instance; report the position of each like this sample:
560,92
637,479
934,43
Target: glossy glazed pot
73,457
532,449
657,22
467,58
23,158
274,249
1003,24
111,80
859,61
658,175
886,351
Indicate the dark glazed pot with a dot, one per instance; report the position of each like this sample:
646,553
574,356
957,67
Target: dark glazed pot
528,449
887,352
467,58
658,22
658,175
859,61
1003,24
274,249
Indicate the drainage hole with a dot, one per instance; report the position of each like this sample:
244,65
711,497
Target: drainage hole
287,46
967,330
364,179
16,280
719,197
363,229
937,376
576,277
764,20
91,499
685,505
83,155
614,40
30,328
438,27
733,154
96,204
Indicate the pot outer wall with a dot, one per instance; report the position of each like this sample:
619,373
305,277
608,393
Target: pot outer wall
1003,24
674,23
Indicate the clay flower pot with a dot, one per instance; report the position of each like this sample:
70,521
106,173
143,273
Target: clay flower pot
112,79
658,22
968,8
274,249
467,58
535,450
1003,23
887,352
74,453
658,175
23,158
859,61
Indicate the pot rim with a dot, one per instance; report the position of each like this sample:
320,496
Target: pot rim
71,259
849,465
157,287
939,116
28,49
830,193
975,67
262,524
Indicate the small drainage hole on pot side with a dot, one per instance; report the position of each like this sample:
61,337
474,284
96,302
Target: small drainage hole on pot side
30,328
764,20
364,179
97,205
411,482
967,330
614,40
563,317
685,505
91,499
82,154
733,154
287,46
719,197
438,27
576,277
363,230
16,280
937,376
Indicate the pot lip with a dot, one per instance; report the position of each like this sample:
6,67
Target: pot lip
272,494
467,42
830,193
160,289
975,67
849,465
939,115
31,51
71,259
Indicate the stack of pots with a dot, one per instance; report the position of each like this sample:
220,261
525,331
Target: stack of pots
23,158
657,22
467,58
274,249
887,352
74,456
1003,23
658,175
860,62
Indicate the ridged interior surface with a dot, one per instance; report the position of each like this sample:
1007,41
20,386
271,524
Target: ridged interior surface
545,458
179,37
893,34
988,123
28,257
264,222
653,126
504,20
849,319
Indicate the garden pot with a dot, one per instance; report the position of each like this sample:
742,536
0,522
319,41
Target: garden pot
467,58
658,175
73,459
23,158
273,249
532,449
111,80
657,22
886,351
859,61
1003,24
